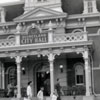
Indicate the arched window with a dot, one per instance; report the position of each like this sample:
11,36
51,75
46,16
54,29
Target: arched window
34,29
11,75
79,74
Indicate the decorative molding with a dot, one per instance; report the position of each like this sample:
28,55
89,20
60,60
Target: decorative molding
77,31
18,28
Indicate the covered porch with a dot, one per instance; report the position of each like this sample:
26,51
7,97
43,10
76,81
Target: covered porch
62,63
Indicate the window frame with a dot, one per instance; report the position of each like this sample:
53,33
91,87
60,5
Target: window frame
90,7
76,81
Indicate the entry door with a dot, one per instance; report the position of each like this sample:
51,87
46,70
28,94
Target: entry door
11,75
43,80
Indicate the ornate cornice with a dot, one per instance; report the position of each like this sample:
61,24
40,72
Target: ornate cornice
45,46
42,18
43,49
8,24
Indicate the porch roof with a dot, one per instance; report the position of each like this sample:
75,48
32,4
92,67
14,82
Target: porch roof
44,48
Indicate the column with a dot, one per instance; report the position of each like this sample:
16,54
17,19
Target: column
0,77
18,29
51,61
50,32
18,63
87,72
2,11
3,77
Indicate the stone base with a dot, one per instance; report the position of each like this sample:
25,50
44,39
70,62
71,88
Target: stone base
62,98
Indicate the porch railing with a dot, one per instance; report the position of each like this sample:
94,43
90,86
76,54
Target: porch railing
68,91
74,90
6,42
73,37
14,40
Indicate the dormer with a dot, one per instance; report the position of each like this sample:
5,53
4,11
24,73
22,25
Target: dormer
51,4
90,6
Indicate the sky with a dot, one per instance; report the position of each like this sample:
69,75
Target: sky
6,1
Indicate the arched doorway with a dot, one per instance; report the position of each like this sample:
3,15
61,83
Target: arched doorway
43,78
11,75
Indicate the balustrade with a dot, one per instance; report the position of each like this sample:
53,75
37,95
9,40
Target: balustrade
54,38
72,37
7,42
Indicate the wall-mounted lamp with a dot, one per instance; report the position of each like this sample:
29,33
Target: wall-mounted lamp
23,70
61,68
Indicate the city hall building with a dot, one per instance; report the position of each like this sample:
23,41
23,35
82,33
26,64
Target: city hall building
45,40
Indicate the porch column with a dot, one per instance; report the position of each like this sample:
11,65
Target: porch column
18,63
87,72
51,61
3,77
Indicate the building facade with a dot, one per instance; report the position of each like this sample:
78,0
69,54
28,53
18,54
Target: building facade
43,43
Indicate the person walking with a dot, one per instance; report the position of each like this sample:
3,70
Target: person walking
29,90
40,95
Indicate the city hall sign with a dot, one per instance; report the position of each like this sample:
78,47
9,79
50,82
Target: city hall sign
33,37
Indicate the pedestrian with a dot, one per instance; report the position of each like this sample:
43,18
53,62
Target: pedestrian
29,90
9,90
59,90
40,95
54,95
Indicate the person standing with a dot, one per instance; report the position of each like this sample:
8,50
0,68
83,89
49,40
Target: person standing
29,90
9,90
59,90
40,94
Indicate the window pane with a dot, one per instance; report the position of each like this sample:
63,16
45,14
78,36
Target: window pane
90,7
79,79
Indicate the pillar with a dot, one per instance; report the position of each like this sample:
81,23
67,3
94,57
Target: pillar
3,77
3,14
51,61
18,63
87,72
0,77
50,32
18,29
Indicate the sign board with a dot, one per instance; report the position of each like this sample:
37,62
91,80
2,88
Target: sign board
33,38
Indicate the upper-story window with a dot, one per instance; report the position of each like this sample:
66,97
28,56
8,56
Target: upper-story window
41,0
90,7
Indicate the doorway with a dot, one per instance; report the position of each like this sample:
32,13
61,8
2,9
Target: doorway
43,79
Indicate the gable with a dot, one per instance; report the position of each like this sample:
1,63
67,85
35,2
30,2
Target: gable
39,12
